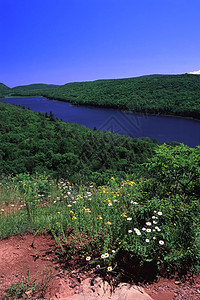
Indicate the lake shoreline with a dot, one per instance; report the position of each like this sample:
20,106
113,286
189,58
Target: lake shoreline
121,110
165,128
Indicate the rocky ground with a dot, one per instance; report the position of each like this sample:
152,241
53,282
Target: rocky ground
29,264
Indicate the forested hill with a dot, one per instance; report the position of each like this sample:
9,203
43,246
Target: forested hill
165,94
36,86
35,142
4,90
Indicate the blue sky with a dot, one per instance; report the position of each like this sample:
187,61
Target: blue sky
60,41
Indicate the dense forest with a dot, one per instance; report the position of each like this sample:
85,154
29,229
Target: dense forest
157,94
35,142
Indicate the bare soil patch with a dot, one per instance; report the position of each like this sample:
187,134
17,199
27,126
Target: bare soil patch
33,257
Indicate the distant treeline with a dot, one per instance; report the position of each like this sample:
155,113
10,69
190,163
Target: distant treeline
36,142
156,94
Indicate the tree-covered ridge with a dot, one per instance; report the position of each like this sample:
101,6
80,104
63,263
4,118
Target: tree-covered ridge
36,86
165,94
36,142
4,90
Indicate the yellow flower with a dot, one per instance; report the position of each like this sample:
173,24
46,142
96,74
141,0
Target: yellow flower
124,215
99,217
109,223
58,212
73,218
71,212
87,210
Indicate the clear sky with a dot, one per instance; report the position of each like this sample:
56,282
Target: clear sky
60,41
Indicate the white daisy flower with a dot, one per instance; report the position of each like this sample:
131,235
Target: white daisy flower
98,267
88,258
137,231
148,223
161,242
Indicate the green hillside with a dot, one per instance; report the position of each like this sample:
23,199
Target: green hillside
4,90
157,94
35,142
36,86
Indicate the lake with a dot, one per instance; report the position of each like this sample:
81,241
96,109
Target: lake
163,128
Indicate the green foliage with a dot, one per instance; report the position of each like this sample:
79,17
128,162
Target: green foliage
36,142
4,90
157,94
151,221
28,287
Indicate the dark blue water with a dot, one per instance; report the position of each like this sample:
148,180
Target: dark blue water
164,129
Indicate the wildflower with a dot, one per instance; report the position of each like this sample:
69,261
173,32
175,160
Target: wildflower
133,202
58,212
103,256
155,222
71,212
160,213
99,217
88,258
73,218
144,229
98,267
109,223
148,230
157,228
109,204
109,269
130,231
148,223
124,215
113,251
147,240
129,219
69,205
153,217
154,238
161,242
106,255
137,231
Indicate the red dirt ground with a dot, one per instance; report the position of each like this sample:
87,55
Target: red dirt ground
18,254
